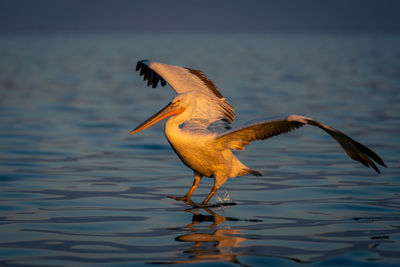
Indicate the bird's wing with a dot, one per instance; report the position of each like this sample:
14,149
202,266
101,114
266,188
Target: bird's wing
242,136
183,80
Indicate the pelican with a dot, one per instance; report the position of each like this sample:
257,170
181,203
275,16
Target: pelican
199,128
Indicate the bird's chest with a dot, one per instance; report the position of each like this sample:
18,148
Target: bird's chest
195,150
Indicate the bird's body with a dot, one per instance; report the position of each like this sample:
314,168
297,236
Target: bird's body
199,127
197,149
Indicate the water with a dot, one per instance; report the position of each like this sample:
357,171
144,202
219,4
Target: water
76,189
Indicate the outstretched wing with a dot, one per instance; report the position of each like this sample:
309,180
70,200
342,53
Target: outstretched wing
242,136
184,80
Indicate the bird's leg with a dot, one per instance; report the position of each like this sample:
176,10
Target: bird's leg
186,198
218,181
210,195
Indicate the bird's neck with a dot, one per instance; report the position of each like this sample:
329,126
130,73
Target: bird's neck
175,121
172,126
172,130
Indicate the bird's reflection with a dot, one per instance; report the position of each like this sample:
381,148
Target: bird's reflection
211,237
211,244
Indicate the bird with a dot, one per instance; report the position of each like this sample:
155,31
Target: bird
199,128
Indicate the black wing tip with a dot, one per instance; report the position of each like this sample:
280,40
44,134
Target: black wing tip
140,64
372,164
364,155
150,75
376,168
372,156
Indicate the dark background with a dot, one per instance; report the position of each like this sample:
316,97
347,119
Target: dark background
341,16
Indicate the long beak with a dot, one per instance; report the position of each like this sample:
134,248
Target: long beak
169,110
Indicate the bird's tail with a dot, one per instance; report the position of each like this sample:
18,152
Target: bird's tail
247,170
255,172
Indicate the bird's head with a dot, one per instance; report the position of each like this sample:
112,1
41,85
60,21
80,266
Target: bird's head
176,106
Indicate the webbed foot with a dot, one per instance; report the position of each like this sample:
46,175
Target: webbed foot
185,199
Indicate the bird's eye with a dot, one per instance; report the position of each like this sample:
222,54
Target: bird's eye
178,101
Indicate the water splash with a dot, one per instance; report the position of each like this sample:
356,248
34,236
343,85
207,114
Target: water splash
223,197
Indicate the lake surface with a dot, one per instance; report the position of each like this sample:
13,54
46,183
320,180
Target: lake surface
76,189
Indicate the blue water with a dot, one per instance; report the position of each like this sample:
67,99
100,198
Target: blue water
76,189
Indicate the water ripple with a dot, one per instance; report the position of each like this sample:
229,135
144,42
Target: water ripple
77,189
